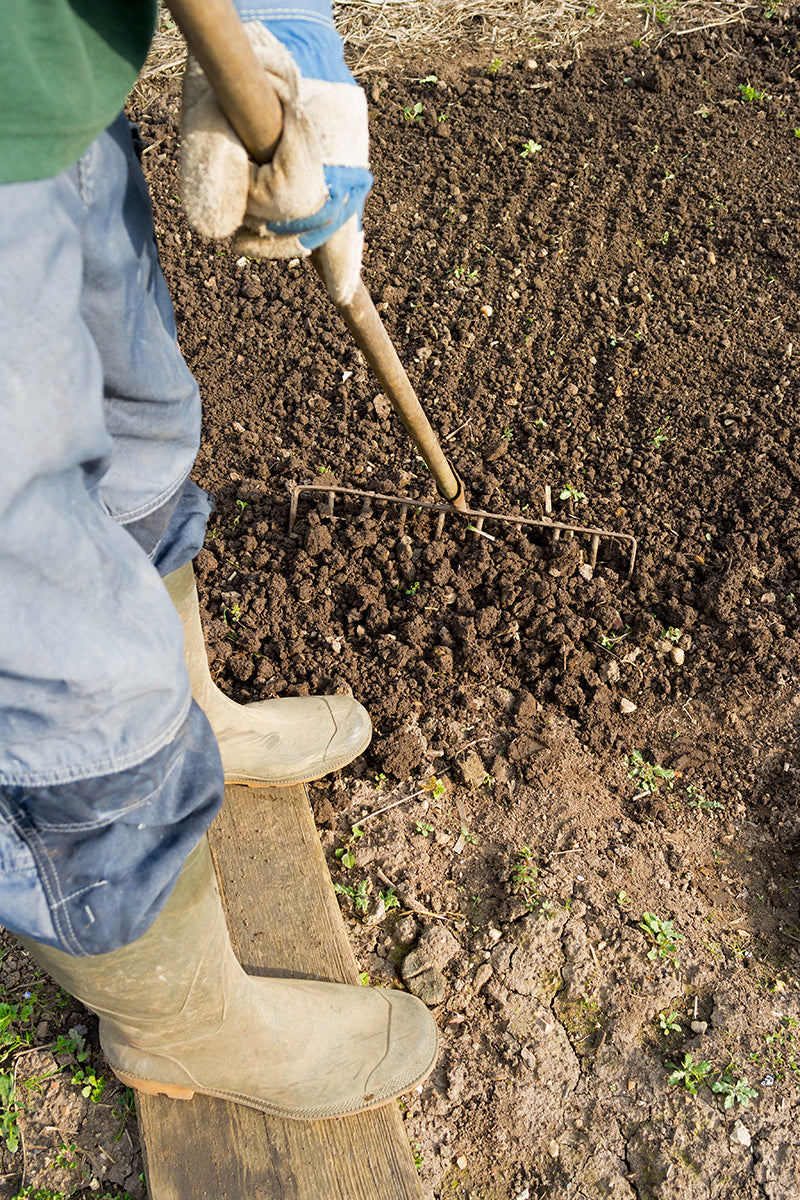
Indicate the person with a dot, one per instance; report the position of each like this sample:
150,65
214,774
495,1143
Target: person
114,742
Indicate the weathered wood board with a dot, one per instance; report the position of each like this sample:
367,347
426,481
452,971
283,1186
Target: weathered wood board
284,920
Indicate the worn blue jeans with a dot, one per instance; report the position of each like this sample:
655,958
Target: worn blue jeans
109,773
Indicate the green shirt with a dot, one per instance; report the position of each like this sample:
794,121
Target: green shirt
66,67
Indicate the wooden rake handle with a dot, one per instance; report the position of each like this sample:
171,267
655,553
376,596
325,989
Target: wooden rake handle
217,39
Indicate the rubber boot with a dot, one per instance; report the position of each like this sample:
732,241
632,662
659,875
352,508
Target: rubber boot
289,740
178,1015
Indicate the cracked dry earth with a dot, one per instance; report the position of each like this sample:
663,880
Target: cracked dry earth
587,862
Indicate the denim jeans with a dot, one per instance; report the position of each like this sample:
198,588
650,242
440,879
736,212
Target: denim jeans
109,774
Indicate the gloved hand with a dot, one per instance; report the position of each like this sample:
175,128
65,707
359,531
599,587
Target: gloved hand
313,191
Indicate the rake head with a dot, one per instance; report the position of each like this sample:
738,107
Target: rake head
475,518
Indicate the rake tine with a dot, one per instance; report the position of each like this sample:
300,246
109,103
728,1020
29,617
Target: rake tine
331,498
293,508
402,523
593,548
439,526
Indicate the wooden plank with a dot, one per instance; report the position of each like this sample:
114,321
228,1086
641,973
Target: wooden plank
284,920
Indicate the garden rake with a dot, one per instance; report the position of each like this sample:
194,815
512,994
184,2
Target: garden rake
216,38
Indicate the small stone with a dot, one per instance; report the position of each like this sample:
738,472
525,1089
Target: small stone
712,258
487,310
482,976
494,934
429,986
741,1135
627,706
528,1057
768,598
461,1163
553,1149
586,572
677,656
609,672
699,1026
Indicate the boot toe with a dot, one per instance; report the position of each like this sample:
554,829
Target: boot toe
293,739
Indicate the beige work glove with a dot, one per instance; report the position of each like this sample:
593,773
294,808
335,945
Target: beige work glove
310,196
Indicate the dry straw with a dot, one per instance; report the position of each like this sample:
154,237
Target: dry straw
383,33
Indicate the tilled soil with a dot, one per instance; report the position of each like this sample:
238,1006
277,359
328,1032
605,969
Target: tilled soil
587,865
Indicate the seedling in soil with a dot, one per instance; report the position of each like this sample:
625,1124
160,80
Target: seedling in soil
523,878
698,800
494,66
414,111
74,1043
424,828
529,148
749,93
689,1074
436,787
345,853
91,1085
463,273
649,776
782,1049
241,505
380,780
390,899
609,640
65,1159
658,439
417,1153
571,493
663,935
735,1091
11,1015
123,1109
9,1129
232,615
412,591
671,634
668,1023
359,894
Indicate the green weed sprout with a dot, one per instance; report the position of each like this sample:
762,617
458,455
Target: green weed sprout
665,938
689,1074
359,894
413,112
649,776
345,853
668,1023
571,493
735,1091
530,148
9,1129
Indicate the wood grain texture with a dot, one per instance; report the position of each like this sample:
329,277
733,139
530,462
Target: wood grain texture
284,920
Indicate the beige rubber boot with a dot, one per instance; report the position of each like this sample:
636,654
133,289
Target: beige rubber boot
178,1015
289,740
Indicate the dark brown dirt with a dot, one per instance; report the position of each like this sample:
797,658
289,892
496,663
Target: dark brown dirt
612,314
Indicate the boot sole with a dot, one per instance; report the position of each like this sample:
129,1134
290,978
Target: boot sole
253,781
175,1092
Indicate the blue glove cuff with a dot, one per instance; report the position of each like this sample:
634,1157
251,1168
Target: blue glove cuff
308,33
318,11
